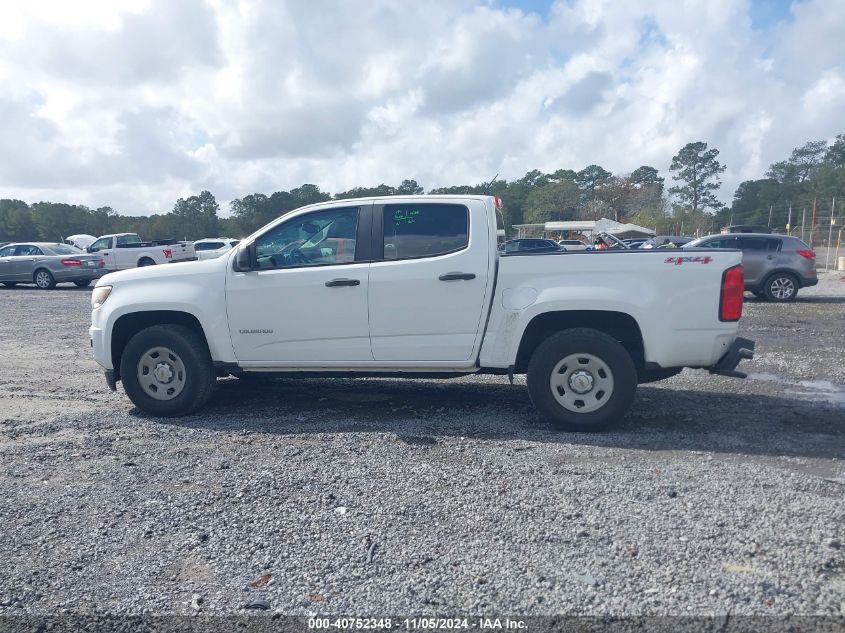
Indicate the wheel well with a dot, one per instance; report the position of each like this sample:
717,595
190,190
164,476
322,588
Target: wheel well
146,258
623,327
129,325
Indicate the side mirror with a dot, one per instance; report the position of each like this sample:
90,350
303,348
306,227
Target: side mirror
88,250
244,259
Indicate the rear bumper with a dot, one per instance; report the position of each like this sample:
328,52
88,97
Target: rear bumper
809,281
740,349
78,274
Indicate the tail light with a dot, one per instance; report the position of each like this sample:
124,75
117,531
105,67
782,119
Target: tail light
807,254
102,263
71,262
732,295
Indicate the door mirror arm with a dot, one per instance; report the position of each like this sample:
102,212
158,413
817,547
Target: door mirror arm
245,258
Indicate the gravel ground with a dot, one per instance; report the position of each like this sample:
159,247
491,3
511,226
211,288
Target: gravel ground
379,496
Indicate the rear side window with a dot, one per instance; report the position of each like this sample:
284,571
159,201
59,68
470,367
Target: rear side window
424,230
126,240
758,244
208,246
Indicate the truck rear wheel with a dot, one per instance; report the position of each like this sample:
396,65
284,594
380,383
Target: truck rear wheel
581,380
166,370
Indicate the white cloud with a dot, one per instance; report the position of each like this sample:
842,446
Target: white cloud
136,103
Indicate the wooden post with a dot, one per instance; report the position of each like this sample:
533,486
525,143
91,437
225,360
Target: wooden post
829,235
770,214
803,217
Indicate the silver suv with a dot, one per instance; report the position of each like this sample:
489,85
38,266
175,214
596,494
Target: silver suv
775,266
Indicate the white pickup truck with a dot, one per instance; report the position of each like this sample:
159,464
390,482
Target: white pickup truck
127,250
415,286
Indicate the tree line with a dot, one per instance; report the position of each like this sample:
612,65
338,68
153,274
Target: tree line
813,172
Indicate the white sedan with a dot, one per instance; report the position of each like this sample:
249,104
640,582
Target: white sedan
214,247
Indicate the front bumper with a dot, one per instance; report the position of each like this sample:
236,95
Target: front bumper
740,349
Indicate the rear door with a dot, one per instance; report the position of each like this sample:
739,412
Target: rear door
23,262
428,280
759,256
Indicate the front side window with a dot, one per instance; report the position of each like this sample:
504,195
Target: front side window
8,251
317,239
101,244
721,242
424,230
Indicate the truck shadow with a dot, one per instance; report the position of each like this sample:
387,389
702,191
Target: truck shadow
666,418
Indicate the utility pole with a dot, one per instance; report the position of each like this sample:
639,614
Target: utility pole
829,234
770,215
803,217
789,222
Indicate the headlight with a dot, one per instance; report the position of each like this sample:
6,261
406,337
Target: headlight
99,296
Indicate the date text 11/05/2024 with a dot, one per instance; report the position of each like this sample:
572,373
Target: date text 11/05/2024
417,624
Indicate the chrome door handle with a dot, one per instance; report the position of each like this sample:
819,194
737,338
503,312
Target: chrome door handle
456,276
334,283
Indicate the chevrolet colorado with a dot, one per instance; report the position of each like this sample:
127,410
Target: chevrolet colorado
415,287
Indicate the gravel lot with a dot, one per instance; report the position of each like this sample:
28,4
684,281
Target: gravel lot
377,496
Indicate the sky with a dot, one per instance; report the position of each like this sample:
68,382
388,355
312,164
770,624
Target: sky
135,103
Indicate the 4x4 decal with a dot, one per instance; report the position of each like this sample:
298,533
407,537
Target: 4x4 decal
700,259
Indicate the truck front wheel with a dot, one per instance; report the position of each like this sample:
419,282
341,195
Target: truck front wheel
166,370
581,380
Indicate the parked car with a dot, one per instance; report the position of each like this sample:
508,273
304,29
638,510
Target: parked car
46,264
127,250
774,267
666,241
410,286
746,228
81,241
212,247
574,245
533,245
633,243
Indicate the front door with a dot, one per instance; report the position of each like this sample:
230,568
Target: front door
427,292
306,297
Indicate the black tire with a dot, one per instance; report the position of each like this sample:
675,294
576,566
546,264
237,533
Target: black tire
777,288
609,353
145,261
10,284
82,283
44,279
190,348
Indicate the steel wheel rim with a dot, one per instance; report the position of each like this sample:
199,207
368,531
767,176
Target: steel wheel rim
581,383
783,287
42,279
161,373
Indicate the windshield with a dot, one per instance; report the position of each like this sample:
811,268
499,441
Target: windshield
62,249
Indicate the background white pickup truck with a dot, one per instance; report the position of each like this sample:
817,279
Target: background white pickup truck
126,250
414,286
